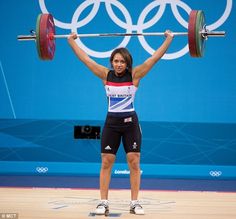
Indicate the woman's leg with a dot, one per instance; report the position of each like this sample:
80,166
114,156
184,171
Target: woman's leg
105,174
133,159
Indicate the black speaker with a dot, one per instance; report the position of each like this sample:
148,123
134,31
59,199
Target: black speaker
87,132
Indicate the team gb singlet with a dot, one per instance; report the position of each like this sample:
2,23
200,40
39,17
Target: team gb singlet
120,92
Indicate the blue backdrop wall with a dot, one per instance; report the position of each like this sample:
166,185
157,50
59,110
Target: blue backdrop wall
186,106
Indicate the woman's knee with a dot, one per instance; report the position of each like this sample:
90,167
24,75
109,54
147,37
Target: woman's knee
133,160
107,161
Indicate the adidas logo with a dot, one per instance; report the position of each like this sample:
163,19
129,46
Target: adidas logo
108,147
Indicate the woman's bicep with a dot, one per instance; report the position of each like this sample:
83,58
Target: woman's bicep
141,70
99,70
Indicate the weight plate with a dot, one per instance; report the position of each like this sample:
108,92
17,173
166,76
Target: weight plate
192,33
200,40
37,35
46,43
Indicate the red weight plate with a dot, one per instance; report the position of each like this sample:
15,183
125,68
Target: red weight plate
200,40
192,33
46,41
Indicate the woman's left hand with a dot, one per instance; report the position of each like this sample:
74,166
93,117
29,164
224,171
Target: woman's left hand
169,34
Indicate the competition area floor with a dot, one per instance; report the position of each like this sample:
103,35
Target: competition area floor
72,203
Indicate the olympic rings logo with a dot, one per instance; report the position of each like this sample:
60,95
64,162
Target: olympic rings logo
42,169
141,25
215,173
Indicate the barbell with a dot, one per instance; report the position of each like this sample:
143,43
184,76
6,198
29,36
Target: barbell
45,36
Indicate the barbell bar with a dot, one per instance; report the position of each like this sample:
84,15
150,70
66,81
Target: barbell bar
204,33
45,35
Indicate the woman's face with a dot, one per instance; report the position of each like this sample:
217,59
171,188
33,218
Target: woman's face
119,64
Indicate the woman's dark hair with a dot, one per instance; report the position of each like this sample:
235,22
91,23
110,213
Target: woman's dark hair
126,55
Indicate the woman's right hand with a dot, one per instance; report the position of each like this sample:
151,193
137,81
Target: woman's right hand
72,36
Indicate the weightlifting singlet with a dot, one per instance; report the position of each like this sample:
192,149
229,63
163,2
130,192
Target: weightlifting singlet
120,93
121,122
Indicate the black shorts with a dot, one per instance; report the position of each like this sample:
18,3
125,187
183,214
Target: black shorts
117,128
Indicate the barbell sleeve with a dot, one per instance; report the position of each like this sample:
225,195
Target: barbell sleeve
214,33
26,37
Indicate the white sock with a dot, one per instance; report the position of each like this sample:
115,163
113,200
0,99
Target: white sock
133,202
105,201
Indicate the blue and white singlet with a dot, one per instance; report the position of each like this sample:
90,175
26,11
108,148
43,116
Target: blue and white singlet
120,93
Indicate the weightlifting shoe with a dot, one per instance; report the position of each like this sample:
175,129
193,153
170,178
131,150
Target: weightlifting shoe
136,208
102,208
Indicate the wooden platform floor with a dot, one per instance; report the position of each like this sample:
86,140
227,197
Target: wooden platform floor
49,203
